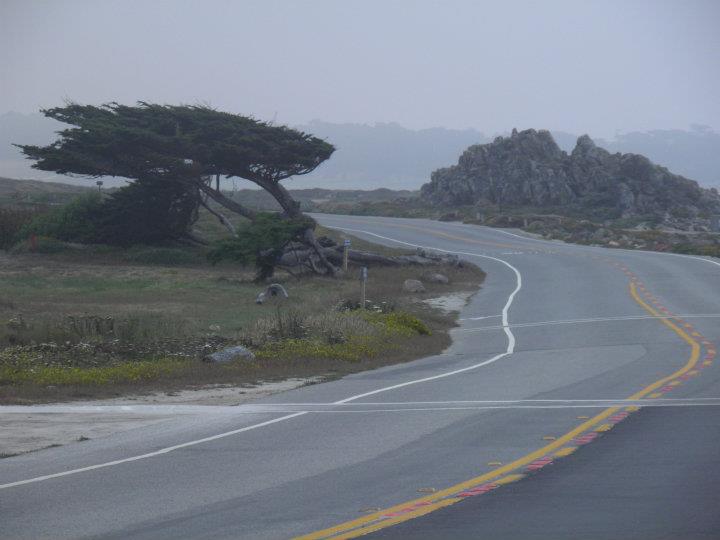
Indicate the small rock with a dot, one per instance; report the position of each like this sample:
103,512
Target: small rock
436,278
230,354
413,286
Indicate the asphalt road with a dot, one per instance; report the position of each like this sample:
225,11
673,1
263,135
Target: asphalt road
553,356
645,481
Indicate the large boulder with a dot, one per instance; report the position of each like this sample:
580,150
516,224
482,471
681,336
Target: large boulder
529,169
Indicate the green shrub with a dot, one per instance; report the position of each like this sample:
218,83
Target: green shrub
298,349
399,322
147,213
26,372
260,242
12,221
74,222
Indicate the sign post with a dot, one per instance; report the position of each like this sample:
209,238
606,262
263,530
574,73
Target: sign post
346,254
363,282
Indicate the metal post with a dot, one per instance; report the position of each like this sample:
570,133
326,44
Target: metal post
363,280
346,254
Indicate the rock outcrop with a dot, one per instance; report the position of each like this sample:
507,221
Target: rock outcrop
528,169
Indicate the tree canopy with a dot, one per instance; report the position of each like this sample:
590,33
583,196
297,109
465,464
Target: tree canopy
151,139
185,143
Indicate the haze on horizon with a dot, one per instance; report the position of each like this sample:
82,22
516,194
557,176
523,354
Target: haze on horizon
581,67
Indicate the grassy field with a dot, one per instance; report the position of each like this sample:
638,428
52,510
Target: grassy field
92,322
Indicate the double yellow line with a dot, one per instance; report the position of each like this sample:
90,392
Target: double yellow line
440,499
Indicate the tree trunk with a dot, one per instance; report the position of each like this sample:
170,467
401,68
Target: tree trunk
291,209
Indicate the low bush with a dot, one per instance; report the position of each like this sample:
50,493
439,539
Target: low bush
24,370
300,349
42,244
74,222
12,221
260,242
136,330
398,322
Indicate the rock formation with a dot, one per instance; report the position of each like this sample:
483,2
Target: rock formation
528,169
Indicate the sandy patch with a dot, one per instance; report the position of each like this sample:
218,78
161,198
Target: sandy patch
215,394
25,431
449,303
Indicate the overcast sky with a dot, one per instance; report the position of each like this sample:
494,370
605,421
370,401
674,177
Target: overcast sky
579,66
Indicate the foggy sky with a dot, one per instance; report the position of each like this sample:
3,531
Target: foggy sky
577,65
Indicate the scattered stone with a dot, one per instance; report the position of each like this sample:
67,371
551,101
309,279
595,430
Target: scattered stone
413,286
230,354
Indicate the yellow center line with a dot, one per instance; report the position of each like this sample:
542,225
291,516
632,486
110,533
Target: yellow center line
442,498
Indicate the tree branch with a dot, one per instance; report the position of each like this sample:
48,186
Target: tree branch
225,221
227,202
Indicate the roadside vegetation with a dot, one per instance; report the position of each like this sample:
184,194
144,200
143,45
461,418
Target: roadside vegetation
82,321
136,287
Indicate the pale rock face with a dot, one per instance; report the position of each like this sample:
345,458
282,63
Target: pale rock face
529,169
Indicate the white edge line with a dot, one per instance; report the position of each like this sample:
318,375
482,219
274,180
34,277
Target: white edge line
510,349
149,454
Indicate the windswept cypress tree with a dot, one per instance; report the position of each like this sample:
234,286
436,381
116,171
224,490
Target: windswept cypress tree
172,153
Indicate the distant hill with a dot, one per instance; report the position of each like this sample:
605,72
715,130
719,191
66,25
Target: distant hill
529,169
391,156
14,191
383,155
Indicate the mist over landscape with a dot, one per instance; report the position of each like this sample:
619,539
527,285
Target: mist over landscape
388,155
434,79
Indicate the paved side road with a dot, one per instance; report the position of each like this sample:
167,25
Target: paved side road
645,480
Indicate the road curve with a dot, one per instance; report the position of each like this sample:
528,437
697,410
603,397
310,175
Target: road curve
562,344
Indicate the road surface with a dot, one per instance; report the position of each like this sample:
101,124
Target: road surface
569,365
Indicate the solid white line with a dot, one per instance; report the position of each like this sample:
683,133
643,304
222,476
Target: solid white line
505,325
149,454
510,349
